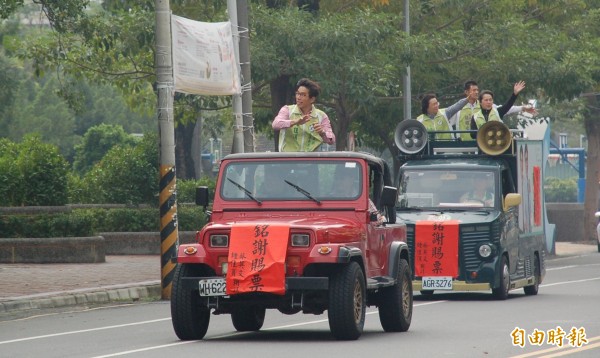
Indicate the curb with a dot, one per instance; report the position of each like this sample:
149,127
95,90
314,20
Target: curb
26,306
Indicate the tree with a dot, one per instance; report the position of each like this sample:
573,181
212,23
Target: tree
96,142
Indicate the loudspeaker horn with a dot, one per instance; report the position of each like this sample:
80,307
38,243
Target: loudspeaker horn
410,136
494,138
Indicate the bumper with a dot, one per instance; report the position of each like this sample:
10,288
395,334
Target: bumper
291,283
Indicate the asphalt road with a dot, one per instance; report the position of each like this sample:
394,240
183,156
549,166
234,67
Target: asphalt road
444,325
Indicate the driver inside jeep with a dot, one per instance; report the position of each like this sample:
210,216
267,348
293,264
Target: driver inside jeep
348,187
481,193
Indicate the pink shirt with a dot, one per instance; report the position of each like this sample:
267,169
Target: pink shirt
283,121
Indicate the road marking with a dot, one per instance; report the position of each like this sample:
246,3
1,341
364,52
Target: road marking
84,331
570,282
564,350
177,343
569,266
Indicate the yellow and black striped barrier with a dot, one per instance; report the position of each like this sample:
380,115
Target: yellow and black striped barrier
169,236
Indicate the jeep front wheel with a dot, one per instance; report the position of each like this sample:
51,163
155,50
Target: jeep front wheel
396,302
501,292
190,317
347,302
248,319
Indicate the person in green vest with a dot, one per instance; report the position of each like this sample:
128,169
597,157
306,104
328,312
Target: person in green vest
480,192
490,113
462,119
436,119
301,126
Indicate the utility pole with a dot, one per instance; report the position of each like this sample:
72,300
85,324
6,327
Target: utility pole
246,78
407,88
169,235
238,127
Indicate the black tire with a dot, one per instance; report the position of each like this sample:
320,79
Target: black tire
396,302
533,289
248,319
190,317
347,302
501,292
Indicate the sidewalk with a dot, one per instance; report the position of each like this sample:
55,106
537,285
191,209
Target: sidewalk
30,289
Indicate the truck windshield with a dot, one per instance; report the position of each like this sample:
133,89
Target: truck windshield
315,180
449,189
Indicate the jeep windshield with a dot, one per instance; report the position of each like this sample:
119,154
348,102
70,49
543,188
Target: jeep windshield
314,180
435,189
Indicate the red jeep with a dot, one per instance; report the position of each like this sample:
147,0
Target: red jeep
296,232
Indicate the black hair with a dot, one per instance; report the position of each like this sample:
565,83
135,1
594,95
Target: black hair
314,89
470,83
485,92
425,102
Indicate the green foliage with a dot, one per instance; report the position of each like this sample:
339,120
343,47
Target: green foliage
46,225
186,189
96,142
11,178
32,173
560,190
125,175
190,218
90,222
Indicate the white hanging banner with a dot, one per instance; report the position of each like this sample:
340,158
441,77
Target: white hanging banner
203,58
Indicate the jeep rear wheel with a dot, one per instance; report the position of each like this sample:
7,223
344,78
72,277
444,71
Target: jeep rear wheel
248,319
396,302
190,317
347,302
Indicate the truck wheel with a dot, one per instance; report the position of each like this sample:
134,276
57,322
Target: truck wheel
190,317
533,289
501,293
347,302
396,302
248,319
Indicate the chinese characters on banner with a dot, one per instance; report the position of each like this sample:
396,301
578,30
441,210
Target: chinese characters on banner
436,248
256,261
203,58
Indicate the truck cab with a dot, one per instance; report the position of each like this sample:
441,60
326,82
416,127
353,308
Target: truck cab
296,232
473,212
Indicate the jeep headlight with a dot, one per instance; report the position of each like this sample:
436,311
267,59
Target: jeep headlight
485,251
302,240
219,240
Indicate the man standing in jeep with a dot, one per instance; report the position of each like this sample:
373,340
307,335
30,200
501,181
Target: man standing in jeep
302,127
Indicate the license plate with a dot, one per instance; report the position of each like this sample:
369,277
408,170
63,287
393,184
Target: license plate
437,283
212,287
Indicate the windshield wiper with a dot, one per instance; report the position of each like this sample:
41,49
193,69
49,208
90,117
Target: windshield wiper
246,191
306,193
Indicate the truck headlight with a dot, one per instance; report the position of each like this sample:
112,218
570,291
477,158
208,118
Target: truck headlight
485,251
219,241
302,240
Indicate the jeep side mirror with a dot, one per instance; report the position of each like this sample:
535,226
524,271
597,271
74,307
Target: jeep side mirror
202,196
389,196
